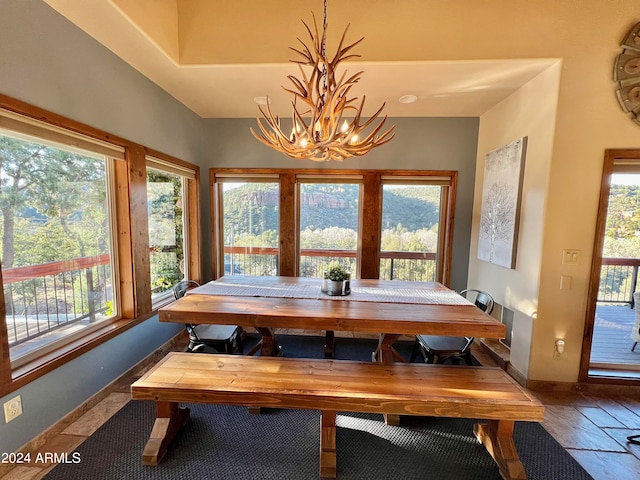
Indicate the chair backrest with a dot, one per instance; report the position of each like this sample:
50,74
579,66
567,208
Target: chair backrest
180,288
483,300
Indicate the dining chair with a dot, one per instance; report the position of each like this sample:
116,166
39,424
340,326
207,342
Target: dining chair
439,349
209,338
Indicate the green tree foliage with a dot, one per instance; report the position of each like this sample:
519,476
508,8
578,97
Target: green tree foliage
623,219
329,220
53,208
328,205
49,194
253,208
330,238
622,240
400,239
412,208
164,195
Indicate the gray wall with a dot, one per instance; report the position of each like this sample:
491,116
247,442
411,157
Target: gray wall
420,144
48,62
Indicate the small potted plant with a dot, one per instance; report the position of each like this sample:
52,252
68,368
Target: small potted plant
336,280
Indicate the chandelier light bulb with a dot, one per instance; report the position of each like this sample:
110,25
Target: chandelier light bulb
345,127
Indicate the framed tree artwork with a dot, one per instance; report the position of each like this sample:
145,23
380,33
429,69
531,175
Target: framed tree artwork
501,198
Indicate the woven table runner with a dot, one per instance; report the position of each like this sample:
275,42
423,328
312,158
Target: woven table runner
359,294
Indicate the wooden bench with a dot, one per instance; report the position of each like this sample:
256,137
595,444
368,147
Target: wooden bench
338,385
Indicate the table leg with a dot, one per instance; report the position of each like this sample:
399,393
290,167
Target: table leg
268,345
329,344
328,444
169,419
386,354
497,437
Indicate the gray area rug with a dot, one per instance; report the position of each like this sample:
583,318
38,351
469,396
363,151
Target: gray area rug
226,442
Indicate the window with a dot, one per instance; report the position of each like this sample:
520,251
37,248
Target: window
410,230
328,225
378,223
57,242
75,237
249,234
165,200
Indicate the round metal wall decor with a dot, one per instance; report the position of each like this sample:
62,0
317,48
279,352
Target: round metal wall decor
627,73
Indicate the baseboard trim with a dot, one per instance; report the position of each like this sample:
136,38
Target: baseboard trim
614,389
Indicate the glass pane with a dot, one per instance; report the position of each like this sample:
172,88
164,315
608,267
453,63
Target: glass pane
621,247
328,226
410,218
250,228
166,231
615,327
56,243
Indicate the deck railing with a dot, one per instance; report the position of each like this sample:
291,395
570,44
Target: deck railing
618,280
42,298
417,266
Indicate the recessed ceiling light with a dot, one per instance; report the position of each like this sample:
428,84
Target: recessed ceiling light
408,99
261,100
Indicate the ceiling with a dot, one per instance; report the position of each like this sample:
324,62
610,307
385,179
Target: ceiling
170,42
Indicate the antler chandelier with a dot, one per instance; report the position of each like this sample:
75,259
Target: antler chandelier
323,131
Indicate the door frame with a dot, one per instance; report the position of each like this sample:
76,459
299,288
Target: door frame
611,156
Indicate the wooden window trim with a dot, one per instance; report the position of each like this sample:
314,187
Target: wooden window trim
287,237
303,177
370,227
132,249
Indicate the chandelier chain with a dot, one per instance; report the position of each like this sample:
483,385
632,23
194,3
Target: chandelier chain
323,49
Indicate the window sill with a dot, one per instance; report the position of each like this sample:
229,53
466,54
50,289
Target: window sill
40,366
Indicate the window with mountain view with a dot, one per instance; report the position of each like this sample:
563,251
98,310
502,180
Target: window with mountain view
56,242
328,226
250,227
388,224
410,231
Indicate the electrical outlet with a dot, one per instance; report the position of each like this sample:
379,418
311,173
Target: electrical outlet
12,409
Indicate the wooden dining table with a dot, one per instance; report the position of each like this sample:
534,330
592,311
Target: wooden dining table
389,308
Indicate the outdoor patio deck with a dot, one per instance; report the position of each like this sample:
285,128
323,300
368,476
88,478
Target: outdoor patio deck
611,340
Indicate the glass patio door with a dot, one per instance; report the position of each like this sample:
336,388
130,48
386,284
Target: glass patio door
612,352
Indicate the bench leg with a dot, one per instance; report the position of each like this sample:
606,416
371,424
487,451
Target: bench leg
169,419
497,437
328,444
